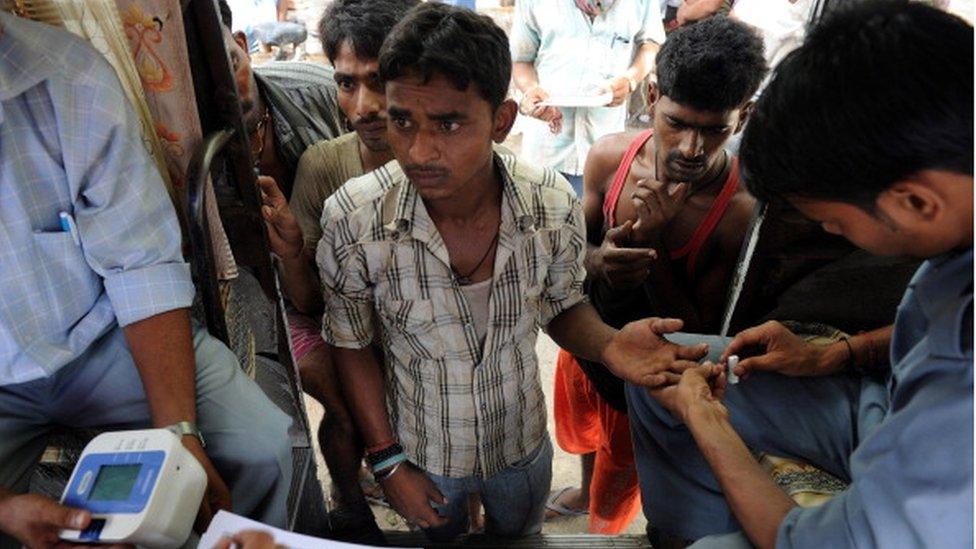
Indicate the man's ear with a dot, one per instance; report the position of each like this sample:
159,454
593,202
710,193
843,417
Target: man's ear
241,40
504,120
913,203
650,99
744,113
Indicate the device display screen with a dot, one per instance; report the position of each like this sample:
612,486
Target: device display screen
114,482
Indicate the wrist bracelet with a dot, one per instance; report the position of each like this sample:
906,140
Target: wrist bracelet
850,354
387,463
380,477
386,453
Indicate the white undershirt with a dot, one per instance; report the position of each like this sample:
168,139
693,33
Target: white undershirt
477,295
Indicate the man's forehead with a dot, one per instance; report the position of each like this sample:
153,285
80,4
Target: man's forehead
437,95
690,115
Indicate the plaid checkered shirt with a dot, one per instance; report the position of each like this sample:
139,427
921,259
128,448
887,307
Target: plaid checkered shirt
458,409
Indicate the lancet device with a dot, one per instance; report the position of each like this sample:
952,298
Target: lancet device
141,487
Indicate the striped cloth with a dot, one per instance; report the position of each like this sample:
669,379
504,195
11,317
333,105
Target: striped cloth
458,409
304,108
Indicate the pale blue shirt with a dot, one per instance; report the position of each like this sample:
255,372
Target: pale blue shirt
574,56
912,477
70,143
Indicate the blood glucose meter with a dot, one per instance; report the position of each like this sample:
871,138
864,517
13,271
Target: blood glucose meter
141,487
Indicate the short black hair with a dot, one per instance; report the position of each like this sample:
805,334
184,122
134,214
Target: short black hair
456,43
713,65
363,23
877,92
226,15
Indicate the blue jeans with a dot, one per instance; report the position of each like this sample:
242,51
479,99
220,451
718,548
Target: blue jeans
576,181
514,498
819,420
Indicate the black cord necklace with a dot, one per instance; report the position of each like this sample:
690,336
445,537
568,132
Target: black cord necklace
464,280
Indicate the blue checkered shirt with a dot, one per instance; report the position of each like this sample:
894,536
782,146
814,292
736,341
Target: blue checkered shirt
69,143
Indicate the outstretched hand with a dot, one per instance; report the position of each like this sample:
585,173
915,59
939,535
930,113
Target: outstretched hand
638,353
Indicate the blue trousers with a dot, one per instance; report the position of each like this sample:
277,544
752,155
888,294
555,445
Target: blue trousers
576,181
246,434
819,420
514,498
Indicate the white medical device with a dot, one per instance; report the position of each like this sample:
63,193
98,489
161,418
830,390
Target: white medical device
141,487
730,367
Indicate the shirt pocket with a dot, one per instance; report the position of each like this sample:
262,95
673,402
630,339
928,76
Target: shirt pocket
62,276
410,329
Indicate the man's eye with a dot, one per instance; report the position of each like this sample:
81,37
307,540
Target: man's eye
449,127
345,85
401,122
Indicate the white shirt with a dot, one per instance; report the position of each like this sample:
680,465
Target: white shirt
574,55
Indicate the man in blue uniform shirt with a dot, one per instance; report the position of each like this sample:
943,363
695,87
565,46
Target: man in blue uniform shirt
94,292
868,130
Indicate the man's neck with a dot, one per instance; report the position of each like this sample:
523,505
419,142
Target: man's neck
373,159
481,195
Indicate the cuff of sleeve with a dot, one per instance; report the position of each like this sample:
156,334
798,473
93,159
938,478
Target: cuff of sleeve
558,307
138,294
344,343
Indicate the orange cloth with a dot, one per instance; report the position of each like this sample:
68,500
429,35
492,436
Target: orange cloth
585,423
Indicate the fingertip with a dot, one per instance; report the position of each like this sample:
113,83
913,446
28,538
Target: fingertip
79,519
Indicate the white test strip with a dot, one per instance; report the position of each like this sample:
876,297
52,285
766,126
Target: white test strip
729,367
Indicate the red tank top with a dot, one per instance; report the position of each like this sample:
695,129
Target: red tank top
708,223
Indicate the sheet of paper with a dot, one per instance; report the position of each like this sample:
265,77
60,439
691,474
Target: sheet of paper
601,100
228,524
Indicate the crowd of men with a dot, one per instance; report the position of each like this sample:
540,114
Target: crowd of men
420,258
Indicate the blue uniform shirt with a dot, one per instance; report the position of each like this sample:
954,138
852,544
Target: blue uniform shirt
70,143
912,477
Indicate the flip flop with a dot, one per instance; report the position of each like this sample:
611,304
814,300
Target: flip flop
561,510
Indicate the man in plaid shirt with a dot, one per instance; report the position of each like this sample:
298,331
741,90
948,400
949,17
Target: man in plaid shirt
452,257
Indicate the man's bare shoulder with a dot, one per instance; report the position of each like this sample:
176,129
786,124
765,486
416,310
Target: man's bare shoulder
608,151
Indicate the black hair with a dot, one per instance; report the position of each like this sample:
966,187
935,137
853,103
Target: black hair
454,42
877,93
363,23
713,65
226,15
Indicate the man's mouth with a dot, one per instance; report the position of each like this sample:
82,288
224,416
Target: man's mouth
425,175
372,127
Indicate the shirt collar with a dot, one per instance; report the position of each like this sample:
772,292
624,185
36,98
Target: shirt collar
411,218
24,58
943,279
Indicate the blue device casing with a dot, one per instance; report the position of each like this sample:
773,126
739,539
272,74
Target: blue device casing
86,473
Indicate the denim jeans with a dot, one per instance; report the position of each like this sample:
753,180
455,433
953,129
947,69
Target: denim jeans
575,181
514,498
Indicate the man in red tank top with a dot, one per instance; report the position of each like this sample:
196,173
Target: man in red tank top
665,218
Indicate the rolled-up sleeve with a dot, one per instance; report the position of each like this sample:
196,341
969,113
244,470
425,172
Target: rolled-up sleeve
913,479
349,309
129,232
564,281
525,33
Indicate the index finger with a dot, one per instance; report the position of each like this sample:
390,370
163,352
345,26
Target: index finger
746,338
630,255
269,186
